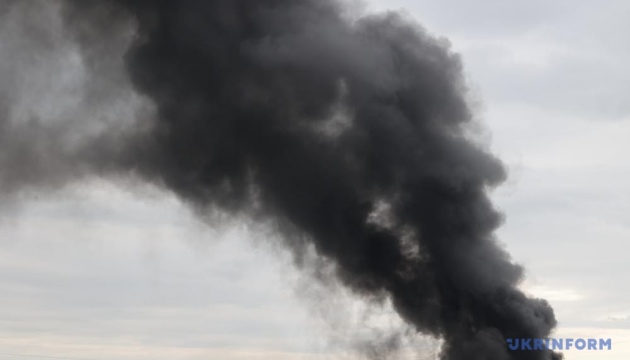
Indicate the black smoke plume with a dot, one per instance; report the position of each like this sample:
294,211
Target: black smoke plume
349,131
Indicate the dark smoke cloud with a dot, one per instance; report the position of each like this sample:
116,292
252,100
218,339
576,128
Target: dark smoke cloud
347,132
62,100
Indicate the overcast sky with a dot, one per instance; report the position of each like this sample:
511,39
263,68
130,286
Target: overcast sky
103,272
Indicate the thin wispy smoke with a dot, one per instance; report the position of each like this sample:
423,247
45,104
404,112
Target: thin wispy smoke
346,133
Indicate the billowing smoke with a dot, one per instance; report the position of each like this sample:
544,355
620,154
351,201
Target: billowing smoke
346,131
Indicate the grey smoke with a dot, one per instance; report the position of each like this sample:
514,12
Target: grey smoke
348,132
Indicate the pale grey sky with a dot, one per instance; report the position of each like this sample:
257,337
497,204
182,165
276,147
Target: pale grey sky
102,272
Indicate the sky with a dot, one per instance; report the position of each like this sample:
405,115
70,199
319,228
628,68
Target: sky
105,271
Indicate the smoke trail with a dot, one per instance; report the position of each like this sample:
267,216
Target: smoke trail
347,132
